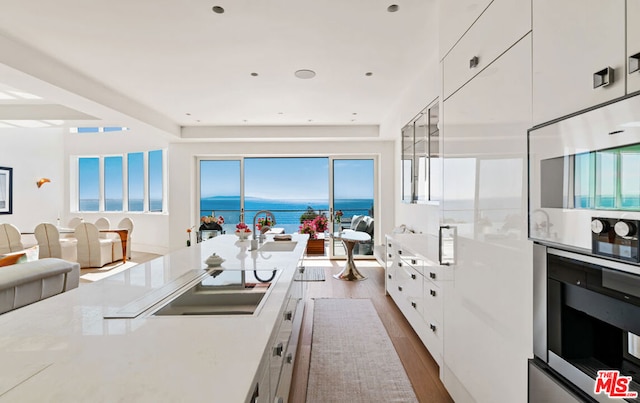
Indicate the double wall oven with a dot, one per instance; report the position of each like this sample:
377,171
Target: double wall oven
584,217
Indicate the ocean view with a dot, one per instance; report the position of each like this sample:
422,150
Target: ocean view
286,212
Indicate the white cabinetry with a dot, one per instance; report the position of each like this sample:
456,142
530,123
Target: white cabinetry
573,40
415,284
483,43
633,46
459,16
487,315
275,381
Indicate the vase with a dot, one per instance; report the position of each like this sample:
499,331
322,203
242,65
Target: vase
242,235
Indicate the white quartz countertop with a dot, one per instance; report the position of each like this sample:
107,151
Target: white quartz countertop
62,349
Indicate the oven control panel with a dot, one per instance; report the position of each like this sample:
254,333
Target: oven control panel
617,238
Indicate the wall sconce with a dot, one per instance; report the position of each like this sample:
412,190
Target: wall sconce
42,181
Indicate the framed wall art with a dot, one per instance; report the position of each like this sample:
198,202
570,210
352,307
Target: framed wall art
6,190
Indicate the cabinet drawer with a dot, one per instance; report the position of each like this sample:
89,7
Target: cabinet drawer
484,42
438,273
409,286
434,338
433,301
413,262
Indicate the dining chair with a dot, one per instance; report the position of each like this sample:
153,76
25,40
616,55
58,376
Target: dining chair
74,222
93,251
103,223
51,245
10,239
128,224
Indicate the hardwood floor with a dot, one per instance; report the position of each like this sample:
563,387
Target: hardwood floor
418,363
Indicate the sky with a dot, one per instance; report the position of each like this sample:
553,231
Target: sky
288,178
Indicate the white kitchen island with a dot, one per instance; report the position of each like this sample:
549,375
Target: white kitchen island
62,349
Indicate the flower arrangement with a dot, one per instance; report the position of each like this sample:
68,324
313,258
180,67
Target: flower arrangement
242,230
189,235
308,227
338,216
242,227
321,223
264,222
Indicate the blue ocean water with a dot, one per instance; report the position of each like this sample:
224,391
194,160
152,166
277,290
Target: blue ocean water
286,212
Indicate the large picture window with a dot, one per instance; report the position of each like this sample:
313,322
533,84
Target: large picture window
131,182
89,184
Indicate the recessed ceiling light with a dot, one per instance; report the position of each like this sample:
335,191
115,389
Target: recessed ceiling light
368,74
280,113
304,73
354,113
254,74
393,8
188,114
310,120
218,10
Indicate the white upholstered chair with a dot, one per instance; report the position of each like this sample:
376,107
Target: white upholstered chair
128,224
51,245
10,239
93,251
74,222
104,223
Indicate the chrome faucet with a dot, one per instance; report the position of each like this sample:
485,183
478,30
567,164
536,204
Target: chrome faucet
545,226
255,218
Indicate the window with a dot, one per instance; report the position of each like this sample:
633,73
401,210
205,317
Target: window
113,183
135,174
155,180
141,174
89,184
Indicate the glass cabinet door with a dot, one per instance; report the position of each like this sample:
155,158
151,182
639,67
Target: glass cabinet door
421,163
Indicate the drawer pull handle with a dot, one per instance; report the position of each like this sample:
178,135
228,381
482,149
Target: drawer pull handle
432,292
413,276
400,264
432,275
432,327
413,304
390,255
288,315
289,358
473,62
399,252
603,77
413,261
399,288
389,244
634,63
277,350
389,275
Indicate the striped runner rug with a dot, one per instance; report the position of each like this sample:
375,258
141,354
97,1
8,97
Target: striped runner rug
352,357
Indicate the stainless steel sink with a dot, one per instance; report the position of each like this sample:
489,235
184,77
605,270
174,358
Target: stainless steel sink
278,246
214,303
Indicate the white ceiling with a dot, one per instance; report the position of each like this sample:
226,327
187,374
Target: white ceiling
180,61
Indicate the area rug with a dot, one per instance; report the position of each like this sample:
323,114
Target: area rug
311,274
352,357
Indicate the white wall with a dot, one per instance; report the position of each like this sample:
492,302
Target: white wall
33,154
183,181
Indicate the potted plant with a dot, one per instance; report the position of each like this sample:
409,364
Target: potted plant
315,246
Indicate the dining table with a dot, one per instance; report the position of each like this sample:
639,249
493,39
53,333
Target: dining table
123,233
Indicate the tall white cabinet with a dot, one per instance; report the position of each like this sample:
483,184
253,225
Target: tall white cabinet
488,305
582,54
